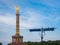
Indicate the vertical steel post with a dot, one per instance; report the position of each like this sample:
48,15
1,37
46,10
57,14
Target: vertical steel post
41,34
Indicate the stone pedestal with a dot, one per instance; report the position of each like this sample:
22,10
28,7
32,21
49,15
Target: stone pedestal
17,40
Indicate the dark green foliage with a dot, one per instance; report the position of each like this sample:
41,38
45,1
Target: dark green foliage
44,43
0,43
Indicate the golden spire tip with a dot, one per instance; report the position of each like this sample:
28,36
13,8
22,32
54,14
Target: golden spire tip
17,9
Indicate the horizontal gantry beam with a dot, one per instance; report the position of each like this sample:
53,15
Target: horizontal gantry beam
44,29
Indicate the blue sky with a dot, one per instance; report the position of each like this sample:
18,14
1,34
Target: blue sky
33,14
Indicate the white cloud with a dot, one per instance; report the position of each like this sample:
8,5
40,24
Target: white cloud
4,39
34,20
7,19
